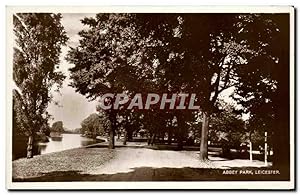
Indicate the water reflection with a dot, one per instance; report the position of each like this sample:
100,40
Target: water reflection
68,141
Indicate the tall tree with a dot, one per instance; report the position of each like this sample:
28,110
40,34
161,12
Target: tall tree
111,59
264,86
216,56
198,54
39,37
100,60
209,54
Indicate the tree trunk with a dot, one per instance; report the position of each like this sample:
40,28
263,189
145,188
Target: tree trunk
179,140
180,144
204,138
250,142
149,138
111,144
250,152
281,136
112,118
129,135
169,137
266,148
152,139
181,126
94,136
125,138
30,146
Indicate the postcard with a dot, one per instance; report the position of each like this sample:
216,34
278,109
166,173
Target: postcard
150,97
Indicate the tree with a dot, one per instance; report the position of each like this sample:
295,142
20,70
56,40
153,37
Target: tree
39,37
264,87
227,127
130,122
119,54
57,127
201,60
219,55
20,120
78,131
179,53
172,70
95,125
224,52
45,129
109,59
19,127
234,51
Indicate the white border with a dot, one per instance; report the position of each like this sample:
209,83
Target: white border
145,185
153,9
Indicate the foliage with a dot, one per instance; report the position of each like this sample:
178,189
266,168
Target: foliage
20,120
227,127
36,57
95,124
45,129
185,53
38,38
264,86
103,58
57,127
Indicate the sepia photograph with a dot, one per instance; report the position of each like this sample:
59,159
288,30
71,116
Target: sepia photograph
150,97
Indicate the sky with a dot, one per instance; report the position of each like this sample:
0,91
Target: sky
73,107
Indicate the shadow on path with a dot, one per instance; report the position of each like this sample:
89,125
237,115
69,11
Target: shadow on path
158,174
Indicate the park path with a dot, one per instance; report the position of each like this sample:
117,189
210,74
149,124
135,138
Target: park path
128,159
123,164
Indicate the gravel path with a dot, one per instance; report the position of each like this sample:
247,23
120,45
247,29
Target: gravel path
223,163
127,159
123,164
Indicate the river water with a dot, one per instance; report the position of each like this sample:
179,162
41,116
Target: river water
68,141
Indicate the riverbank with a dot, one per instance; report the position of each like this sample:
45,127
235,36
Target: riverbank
135,164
